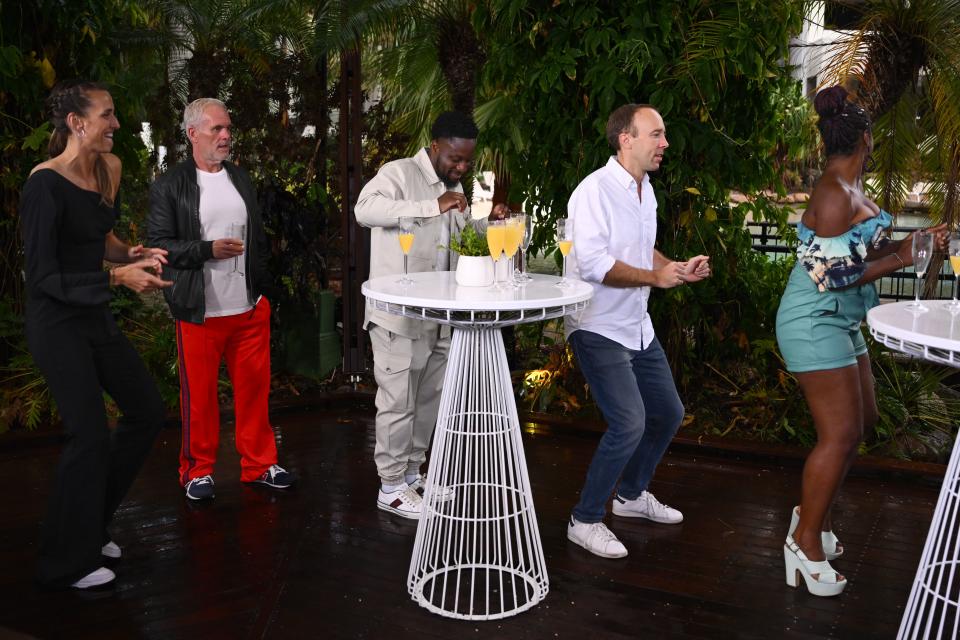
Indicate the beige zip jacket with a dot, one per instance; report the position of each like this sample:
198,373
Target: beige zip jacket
408,187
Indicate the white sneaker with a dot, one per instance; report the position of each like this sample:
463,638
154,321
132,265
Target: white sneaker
595,538
111,550
95,579
441,494
646,506
404,502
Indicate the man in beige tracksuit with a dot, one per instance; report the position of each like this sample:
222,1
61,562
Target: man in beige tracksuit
410,356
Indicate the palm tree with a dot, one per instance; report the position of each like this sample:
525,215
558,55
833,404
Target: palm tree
903,61
423,57
242,49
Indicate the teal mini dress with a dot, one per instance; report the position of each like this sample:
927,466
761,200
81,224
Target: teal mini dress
818,322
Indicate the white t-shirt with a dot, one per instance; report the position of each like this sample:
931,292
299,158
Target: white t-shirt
220,206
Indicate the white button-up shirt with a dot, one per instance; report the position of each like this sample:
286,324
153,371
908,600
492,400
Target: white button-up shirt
609,222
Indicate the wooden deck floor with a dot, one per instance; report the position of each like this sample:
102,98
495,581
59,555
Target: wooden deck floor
321,561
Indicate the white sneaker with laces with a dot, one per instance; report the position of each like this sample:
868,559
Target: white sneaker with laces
442,494
646,506
95,578
595,538
111,550
404,502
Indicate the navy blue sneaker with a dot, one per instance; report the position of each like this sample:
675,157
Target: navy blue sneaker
200,488
276,477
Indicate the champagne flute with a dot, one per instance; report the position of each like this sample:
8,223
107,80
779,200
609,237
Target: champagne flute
565,244
526,224
922,252
513,239
496,239
237,230
954,252
406,223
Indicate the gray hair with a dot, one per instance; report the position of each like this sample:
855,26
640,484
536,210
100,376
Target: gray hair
194,111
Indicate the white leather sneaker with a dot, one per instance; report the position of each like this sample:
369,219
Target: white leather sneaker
111,550
595,538
442,494
646,506
95,578
404,502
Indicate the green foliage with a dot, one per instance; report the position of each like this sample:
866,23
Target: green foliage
918,410
735,121
902,59
470,243
153,334
731,110
548,379
712,70
253,53
26,397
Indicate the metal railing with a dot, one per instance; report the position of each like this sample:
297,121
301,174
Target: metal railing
900,285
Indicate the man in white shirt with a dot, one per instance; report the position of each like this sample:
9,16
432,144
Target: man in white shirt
613,217
219,273
410,356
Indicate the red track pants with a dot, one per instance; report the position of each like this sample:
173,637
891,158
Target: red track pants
244,340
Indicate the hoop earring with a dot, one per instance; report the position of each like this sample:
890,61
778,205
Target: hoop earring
81,133
869,164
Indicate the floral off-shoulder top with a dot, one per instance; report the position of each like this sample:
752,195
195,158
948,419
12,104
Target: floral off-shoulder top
839,261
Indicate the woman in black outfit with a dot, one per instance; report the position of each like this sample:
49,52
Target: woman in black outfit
67,210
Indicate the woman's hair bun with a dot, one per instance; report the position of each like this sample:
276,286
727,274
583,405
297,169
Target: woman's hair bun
831,101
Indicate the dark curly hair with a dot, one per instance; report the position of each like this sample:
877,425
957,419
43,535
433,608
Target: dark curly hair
71,96
841,121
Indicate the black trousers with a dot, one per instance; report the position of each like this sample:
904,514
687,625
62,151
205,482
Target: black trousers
81,358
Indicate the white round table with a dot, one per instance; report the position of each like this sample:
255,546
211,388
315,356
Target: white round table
933,335
477,553
933,610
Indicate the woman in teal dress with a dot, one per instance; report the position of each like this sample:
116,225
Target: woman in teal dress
843,249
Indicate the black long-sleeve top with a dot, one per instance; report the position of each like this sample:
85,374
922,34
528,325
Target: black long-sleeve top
64,238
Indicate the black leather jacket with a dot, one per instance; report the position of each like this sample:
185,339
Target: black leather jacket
174,224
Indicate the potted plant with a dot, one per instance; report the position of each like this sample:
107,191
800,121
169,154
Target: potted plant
474,267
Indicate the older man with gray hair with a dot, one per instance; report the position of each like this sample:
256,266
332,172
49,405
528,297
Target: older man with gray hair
204,212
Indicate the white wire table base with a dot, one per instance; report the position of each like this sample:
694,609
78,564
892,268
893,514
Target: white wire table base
477,554
933,610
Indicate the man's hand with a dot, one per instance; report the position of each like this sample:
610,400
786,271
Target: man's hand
698,268
500,212
451,200
227,248
670,275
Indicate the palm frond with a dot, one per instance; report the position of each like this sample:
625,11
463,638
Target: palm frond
897,138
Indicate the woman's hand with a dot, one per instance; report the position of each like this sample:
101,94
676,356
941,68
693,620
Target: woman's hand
140,276
905,251
140,252
941,236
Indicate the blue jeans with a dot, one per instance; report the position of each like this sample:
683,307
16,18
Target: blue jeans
638,398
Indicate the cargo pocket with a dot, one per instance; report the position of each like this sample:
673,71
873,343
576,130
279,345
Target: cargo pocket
392,353
391,367
392,363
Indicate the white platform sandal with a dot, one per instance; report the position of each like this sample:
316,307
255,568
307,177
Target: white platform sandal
827,581
828,539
